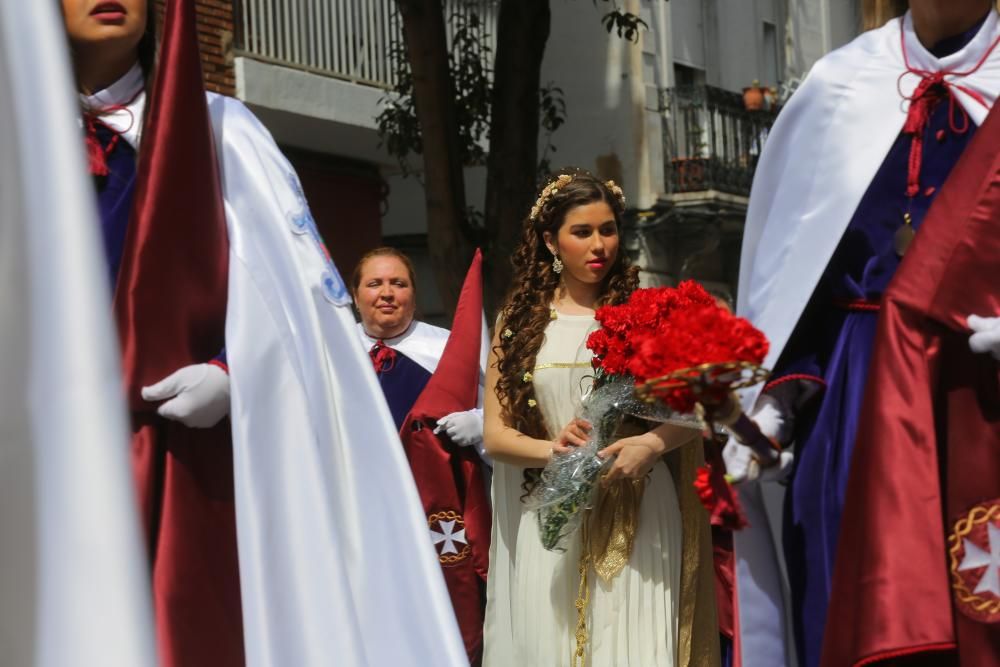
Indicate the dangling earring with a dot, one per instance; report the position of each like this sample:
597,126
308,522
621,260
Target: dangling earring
557,264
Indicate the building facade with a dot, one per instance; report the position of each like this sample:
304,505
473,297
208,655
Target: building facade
664,115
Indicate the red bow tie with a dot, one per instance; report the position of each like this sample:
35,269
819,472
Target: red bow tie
383,357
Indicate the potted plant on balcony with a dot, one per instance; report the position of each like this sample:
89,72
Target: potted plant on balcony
753,97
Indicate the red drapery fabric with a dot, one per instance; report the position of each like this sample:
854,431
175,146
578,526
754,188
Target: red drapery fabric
449,478
170,308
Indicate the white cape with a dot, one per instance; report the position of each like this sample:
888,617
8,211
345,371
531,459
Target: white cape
819,160
423,343
336,560
74,578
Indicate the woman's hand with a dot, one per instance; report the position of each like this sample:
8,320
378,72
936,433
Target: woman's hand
635,456
574,434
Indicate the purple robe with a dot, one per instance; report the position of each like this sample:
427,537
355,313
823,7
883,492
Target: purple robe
115,193
402,381
114,197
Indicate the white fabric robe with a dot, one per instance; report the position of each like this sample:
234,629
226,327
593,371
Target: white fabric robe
74,577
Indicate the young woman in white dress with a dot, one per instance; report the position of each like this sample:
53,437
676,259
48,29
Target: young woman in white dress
568,264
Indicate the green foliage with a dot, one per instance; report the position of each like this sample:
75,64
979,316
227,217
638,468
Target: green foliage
469,62
553,114
626,24
398,128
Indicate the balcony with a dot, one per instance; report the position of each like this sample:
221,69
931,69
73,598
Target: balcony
711,143
316,72
352,40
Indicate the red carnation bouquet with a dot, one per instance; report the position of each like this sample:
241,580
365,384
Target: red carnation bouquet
624,328
682,349
663,331
668,350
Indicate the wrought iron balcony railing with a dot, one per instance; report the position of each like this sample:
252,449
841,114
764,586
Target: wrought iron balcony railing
347,39
711,142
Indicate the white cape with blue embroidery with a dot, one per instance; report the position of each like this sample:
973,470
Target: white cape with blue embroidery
336,562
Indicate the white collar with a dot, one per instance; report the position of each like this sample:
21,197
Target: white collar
120,106
391,342
120,92
421,342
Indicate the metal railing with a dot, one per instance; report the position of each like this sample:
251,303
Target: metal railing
348,39
711,142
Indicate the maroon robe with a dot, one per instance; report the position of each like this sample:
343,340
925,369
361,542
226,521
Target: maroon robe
170,308
925,477
450,478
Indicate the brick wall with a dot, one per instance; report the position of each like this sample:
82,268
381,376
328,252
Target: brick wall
215,37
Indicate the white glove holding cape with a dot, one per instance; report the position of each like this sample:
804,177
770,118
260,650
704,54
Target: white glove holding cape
199,395
465,429
985,335
741,465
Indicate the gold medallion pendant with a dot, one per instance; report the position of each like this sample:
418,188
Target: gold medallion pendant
904,235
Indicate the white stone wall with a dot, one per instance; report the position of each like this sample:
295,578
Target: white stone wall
816,27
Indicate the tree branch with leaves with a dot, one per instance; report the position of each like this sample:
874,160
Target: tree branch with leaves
448,103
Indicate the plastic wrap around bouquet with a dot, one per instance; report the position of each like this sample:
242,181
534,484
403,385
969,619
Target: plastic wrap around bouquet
567,483
658,357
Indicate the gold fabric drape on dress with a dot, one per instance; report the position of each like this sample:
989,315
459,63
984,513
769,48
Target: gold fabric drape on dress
612,525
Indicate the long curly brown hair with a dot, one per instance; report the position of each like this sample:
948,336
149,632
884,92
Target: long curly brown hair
526,310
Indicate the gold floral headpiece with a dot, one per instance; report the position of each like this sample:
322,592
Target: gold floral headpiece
548,191
563,180
617,191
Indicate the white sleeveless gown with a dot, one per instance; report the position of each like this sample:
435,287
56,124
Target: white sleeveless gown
530,614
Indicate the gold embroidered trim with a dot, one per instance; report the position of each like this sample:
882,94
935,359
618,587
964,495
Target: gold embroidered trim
582,598
563,364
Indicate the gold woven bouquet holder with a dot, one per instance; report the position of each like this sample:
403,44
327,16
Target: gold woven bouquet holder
704,379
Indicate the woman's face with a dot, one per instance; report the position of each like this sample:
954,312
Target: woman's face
385,297
116,25
587,242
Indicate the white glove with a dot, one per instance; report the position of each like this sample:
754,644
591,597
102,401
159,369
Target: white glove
985,336
199,395
741,466
465,429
